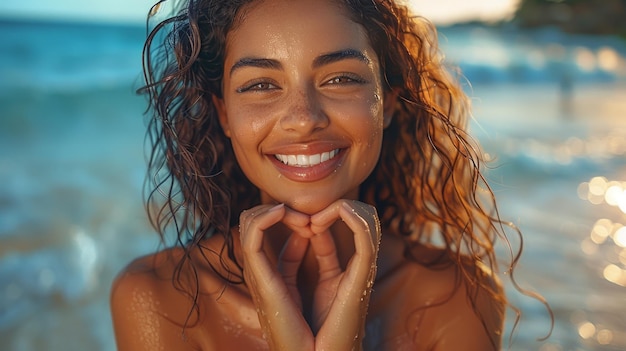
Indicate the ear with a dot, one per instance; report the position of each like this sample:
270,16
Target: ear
390,100
221,114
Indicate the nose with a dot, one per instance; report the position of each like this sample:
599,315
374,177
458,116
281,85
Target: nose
305,113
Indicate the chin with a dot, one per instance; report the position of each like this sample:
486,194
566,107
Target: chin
309,201
309,207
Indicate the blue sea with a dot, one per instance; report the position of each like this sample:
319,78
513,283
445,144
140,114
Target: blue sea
549,109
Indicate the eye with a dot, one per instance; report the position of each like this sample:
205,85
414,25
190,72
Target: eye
257,86
346,79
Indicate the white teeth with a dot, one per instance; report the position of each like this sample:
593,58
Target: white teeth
307,160
325,157
303,160
315,159
291,159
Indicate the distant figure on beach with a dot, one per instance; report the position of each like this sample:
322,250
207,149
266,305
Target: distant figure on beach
312,160
566,91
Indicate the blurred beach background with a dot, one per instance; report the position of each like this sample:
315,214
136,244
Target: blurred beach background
549,102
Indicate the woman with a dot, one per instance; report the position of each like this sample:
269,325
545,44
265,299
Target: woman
320,183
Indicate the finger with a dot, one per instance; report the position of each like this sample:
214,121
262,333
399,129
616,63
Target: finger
364,223
322,220
361,218
278,310
253,222
291,257
297,222
326,253
361,268
353,293
259,273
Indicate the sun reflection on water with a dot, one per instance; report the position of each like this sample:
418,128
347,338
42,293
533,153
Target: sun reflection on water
599,333
605,58
607,242
600,190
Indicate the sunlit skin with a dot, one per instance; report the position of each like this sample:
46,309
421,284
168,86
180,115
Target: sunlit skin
301,79
326,97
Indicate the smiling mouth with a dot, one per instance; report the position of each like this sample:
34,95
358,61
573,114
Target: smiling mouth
307,160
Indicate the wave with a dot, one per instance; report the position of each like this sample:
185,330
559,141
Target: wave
43,56
511,55
53,56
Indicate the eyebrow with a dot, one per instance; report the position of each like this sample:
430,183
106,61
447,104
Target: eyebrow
325,59
255,62
348,54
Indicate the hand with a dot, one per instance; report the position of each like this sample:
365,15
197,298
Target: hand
274,289
340,298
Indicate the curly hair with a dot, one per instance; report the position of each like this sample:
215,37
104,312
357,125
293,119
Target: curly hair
427,185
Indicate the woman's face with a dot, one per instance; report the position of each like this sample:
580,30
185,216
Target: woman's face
302,102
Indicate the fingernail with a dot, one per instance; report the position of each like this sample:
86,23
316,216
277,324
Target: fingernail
347,207
276,208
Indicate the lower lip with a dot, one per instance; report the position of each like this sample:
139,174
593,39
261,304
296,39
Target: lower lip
310,173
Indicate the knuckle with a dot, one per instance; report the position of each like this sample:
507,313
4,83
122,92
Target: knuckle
252,223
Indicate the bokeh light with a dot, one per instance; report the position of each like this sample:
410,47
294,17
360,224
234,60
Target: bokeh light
599,190
587,330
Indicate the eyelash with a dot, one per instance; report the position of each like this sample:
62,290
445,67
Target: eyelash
256,86
351,79
265,86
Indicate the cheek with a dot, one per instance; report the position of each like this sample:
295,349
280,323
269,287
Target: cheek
376,106
375,128
246,133
249,126
364,120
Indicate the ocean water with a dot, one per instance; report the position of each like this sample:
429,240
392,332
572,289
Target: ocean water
549,108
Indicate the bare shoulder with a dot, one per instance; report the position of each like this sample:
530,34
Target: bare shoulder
451,307
183,299
146,308
467,304
149,275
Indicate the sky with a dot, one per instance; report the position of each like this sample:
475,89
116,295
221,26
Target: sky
438,11
450,11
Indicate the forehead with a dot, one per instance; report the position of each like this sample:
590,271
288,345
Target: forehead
284,28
